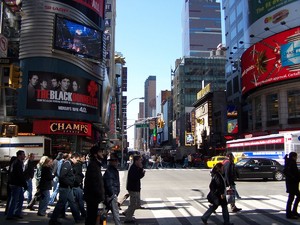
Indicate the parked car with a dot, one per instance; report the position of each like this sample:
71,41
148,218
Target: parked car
214,160
259,168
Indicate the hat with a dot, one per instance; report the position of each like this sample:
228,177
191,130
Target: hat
229,154
112,157
94,150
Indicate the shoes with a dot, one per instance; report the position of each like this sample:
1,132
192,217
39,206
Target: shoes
296,214
53,222
204,221
236,209
123,213
40,214
79,221
129,221
293,217
18,216
142,207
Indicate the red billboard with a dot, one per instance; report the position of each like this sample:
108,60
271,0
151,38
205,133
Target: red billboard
271,60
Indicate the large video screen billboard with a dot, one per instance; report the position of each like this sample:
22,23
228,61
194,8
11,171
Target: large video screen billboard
63,93
271,60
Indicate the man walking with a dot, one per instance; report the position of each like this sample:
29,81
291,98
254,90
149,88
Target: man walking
17,182
135,174
93,185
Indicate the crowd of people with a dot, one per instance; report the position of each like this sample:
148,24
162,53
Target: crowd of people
84,193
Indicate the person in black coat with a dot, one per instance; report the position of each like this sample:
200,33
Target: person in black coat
217,188
292,179
45,185
93,185
135,174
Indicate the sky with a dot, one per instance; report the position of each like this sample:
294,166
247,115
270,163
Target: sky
149,35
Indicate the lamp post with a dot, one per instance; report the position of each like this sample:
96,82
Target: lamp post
124,117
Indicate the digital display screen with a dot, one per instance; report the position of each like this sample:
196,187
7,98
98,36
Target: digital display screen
78,39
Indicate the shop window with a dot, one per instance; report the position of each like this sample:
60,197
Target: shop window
272,107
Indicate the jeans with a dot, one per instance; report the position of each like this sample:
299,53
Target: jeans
29,190
43,203
78,194
115,210
134,204
16,201
55,191
65,195
289,210
212,208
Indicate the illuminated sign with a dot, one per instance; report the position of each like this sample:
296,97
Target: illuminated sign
62,127
264,63
189,139
258,142
204,91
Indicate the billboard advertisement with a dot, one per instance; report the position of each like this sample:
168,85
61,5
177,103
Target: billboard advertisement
266,17
63,93
271,60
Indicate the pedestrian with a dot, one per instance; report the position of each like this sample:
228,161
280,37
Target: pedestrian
112,186
66,183
29,167
57,162
45,185
8,191
17,184
229,173
78,184
217,188
292,185
93,185
133,186
37,176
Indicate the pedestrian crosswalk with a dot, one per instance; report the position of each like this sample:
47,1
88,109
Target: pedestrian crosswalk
256,210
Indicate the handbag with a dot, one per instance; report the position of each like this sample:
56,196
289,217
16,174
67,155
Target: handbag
213,198
230,196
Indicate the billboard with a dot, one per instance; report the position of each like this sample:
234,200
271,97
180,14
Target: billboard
265,17
61,92
271,60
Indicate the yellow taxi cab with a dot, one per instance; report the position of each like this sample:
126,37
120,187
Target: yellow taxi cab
214,160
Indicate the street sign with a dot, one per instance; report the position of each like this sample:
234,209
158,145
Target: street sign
141,125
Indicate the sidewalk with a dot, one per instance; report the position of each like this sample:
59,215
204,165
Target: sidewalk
31,217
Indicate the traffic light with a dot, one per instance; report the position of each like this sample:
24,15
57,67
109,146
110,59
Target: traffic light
15,77
160,123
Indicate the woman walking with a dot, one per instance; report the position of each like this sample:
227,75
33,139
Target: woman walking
45,186
292,179
217,195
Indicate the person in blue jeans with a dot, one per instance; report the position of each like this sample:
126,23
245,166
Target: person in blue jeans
29,166
45,186
217,188
17,184
66,182
56,169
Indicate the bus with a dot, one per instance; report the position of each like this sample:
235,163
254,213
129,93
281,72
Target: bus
274,146
39,145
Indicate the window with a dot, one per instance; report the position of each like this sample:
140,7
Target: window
257,105
293,103
272,107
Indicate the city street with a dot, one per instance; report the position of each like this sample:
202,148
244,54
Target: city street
178,197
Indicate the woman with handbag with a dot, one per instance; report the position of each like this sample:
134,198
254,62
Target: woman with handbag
217,195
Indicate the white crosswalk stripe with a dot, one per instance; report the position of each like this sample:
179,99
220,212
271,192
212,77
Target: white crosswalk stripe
257,210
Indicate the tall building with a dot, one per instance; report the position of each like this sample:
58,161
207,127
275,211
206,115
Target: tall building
201,27
262,69
150,97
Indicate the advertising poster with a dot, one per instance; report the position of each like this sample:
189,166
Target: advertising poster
271,60
53,91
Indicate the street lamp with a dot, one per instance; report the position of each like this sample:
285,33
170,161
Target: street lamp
124,116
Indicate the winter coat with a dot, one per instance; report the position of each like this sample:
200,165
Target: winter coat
46,178
135,174
93,182
111,181
292,177
217,186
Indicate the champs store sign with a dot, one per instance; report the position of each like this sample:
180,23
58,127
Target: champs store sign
62,127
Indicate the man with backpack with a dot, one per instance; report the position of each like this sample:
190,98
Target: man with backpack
66,182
